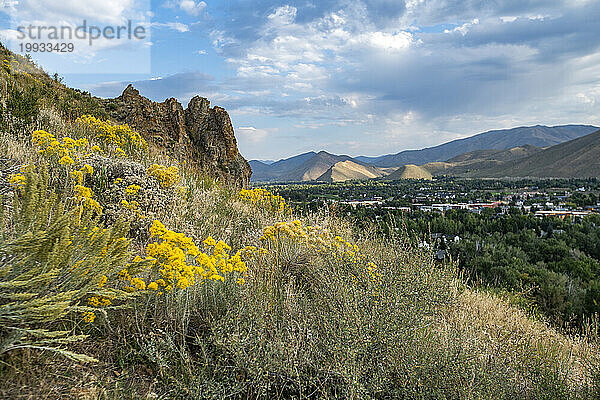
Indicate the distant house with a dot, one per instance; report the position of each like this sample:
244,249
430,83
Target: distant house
562,214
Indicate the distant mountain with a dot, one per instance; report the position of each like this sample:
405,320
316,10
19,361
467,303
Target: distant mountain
486,154
499,155
539,136
578,158
410,172
314,167
479,160
348,170
262,172
304,167
259,168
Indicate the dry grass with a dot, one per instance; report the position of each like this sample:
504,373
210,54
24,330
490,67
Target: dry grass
506,341
304,327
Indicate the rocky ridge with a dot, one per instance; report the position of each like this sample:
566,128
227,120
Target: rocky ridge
198,134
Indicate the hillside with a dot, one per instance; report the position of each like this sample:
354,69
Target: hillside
497,155
410,172
304,167
480,160
578,158
262,172
199,134
128,273
539,136
349,170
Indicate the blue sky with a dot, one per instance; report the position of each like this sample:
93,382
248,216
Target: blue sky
350,77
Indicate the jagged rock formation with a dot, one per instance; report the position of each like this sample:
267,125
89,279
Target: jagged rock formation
199,134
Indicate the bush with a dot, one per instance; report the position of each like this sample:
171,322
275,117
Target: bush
23,104
53,258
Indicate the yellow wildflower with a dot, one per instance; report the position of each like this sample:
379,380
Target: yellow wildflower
138,283
132,189
89,316
66,160
88,169
167,177
18,181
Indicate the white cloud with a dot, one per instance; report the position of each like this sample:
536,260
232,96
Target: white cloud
282,16
464,28
190,7
252,134
109,11
387,41
176,26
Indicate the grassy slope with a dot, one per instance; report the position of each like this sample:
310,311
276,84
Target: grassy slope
21,79
576,158
302,326
410,172
348,170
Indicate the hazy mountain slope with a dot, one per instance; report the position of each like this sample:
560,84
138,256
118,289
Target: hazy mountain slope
499,155
539,136
480,160
410,172
275,171
348,170
579,158
259,168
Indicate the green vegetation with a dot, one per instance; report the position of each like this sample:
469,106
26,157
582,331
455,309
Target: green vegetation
30,98
553,263
181,288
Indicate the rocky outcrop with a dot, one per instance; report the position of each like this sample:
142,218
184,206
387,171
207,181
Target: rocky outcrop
199,134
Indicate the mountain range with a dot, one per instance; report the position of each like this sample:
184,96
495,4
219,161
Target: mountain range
539,136
524,151
578,158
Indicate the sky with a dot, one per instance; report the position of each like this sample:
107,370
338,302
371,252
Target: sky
349,77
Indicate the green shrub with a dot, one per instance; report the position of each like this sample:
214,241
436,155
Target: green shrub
23,104
53,257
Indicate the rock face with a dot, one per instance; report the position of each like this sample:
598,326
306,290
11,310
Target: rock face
199,134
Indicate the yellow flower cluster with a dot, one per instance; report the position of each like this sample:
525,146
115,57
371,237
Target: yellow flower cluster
6,66
322,241
89,316
166,176
67,151
99,301
265,199
126,140
84,197
132,189
79,174
18,181
181,264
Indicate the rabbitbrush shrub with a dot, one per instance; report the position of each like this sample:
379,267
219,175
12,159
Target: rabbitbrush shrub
53,258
